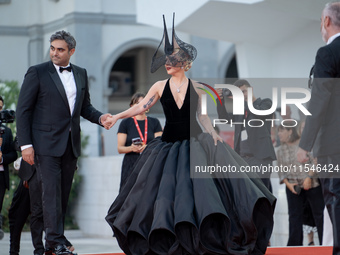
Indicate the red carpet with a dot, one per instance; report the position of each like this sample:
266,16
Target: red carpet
306,250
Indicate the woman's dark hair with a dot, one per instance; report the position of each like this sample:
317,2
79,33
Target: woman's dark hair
290,125
135,97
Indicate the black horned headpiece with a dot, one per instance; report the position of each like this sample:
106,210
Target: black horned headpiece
176,54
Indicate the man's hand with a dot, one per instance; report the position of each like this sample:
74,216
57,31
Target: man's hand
25,183
110,121
104,119
302,156
28,155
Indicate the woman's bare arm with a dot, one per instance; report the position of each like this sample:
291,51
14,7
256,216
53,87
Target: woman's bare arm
148,101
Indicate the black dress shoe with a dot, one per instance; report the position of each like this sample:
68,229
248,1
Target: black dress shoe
61,249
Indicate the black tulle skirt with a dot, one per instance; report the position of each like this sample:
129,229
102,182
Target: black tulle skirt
163,209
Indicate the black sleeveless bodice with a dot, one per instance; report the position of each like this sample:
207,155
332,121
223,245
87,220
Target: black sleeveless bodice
181,123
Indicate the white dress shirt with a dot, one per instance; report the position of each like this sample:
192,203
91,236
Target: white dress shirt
332,38
69,83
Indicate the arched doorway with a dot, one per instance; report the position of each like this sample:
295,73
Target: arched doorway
129,74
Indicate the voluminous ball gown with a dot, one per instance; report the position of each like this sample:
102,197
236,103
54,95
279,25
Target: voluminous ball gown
163,209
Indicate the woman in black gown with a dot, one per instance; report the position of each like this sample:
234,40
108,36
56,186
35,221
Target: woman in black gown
167,208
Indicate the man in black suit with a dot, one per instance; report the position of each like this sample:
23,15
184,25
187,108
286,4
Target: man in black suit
7,156
321,132
253,144
52,98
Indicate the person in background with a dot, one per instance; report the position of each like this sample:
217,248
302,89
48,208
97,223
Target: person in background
253,144
17,216
321,132
300,185
308,220
8,155
27,201
144,128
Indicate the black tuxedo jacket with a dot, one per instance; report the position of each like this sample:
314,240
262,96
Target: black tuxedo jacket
321,130
9,153
259,138
43,114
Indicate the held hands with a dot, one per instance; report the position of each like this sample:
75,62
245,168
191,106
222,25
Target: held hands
112,120
108,120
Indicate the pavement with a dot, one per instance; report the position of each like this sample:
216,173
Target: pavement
82,243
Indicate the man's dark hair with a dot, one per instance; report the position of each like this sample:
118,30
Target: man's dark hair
66,36
1,99
241,82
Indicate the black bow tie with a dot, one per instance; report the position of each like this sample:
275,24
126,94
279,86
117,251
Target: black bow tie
61,69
